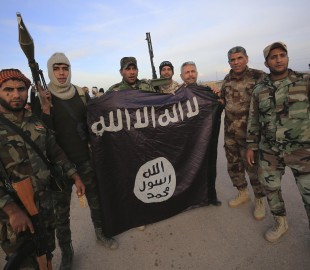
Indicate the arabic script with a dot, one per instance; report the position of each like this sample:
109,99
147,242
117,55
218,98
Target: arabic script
155,181
144,117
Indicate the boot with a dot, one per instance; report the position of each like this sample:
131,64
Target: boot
259,211
275,232
66,256
110,243
242,197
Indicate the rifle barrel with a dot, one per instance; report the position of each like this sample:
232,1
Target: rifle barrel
149,43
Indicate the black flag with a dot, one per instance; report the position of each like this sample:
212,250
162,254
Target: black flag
154,154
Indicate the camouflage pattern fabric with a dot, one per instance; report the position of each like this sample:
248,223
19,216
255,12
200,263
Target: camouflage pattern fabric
62,203
21,161
272,167
279,114
143,85
279,126
236,92
170,88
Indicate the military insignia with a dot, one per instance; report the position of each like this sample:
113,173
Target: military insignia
39,127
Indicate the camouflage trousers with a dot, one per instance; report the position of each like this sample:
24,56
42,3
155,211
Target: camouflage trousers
272,167
20,243
237,165
62,203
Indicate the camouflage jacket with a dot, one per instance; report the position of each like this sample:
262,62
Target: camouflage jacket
170,88
236,93
143,85
21,161
279,117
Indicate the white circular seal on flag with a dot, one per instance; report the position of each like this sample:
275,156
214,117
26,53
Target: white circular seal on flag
155,181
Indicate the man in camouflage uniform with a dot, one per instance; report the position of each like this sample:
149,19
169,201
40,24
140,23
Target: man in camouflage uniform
279,127
67,117
166,70
236,92
19,161
129,71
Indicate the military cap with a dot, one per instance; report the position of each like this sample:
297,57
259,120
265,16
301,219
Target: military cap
126,61
272,46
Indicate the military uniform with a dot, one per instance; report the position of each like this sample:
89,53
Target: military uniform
170,88
279,126
144,85
236,92
20,162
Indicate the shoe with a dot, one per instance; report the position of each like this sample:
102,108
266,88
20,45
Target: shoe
259,211
107,242
275,232
66,256
214,202
242,197
141,228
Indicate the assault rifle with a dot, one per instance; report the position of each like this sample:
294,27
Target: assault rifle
149,43
18,256
27,45
25,193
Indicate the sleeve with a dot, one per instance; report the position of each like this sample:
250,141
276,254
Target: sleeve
46,118
253,126
5,196
223,92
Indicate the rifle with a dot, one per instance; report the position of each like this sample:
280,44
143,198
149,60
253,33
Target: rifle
25,193
18,256
27,45
149,43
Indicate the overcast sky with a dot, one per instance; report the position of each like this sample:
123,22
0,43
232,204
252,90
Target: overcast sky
96,34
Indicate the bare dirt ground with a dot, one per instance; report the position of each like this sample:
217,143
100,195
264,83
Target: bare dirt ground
212,238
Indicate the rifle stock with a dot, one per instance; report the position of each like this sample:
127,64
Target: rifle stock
25,193
149,43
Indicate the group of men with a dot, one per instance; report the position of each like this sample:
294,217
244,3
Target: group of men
267,127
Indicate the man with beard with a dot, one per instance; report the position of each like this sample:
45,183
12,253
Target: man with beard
20,162
236,92
279,128
67,117
189,73
166,70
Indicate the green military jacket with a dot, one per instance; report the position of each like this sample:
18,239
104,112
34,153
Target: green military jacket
236,93
279,116
169,88
144,85
21,161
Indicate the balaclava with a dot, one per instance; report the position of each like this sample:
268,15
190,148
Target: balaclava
63,91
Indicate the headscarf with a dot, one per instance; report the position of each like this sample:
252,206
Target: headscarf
61,90
13,74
